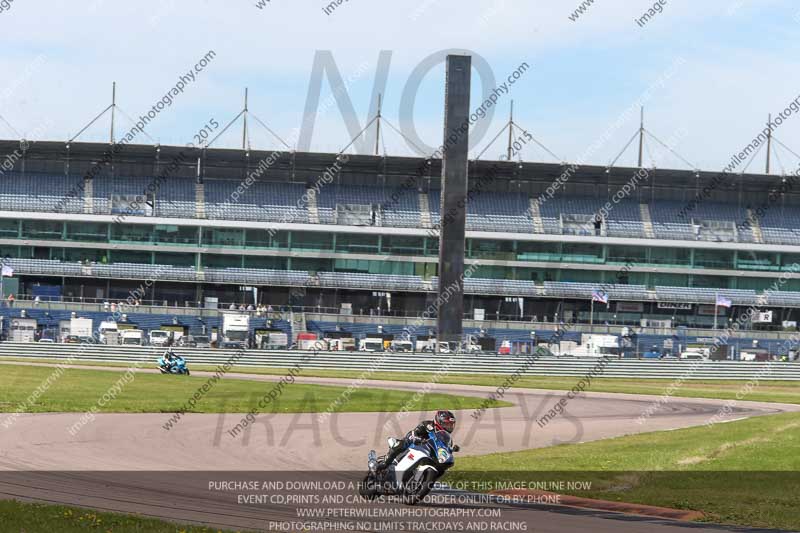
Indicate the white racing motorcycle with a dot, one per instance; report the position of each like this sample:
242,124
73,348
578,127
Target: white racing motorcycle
414,473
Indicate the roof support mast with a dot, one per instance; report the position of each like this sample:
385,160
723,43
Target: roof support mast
510,130
378,128
244,122
113,107
641,134
769,140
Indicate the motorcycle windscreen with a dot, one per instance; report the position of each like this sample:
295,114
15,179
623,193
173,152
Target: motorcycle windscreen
445,438
444,447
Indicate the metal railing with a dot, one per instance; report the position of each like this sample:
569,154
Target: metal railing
409,363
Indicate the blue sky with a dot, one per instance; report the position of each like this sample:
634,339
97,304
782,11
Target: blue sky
738,62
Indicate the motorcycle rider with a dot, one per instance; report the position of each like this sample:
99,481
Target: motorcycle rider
170,358
442,421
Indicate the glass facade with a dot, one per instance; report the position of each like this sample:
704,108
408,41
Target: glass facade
592,262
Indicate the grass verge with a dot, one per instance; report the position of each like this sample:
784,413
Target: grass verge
40,518
767,391
79,390
745,472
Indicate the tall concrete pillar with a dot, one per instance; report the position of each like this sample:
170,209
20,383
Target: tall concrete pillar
453,203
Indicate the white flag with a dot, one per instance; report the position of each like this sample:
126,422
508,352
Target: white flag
7,271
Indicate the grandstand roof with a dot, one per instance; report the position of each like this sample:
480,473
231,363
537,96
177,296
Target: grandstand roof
134,160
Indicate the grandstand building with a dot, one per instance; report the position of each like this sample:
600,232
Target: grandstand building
86,221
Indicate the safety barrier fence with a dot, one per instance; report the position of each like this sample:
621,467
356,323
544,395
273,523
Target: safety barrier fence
420,363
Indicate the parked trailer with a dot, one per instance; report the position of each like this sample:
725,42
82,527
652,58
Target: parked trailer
22,330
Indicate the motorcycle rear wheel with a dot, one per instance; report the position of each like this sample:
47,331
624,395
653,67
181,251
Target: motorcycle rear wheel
368,488
421,489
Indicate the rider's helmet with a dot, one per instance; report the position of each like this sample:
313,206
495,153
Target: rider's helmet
444,420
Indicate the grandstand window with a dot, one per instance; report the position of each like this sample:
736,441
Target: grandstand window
582,253
629,278
82,255
131,233
302,240
584,276
223,237
492,272
401,245
530,274
272,263
757,261
42,229
670,256
538,251
626,254
221,261
787,260
713,258
87,231
131,256
256,238
9,227
713,282
374,267
756,284
669,280
425,270
491,249
432,246
10,251
312,264
279,239
163,258
366,244
175,234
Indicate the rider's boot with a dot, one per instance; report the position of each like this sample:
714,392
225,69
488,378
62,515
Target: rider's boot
392,454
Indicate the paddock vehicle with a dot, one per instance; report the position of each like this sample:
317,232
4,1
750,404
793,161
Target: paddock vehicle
235,330
132,337
371,344
159,337
412,475
402,346
108,333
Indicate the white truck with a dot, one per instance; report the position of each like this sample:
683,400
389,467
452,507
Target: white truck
159,337
276,341
108,332
235,330
132,337
402,345
696,352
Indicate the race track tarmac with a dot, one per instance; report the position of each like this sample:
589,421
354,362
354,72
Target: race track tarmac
132,463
